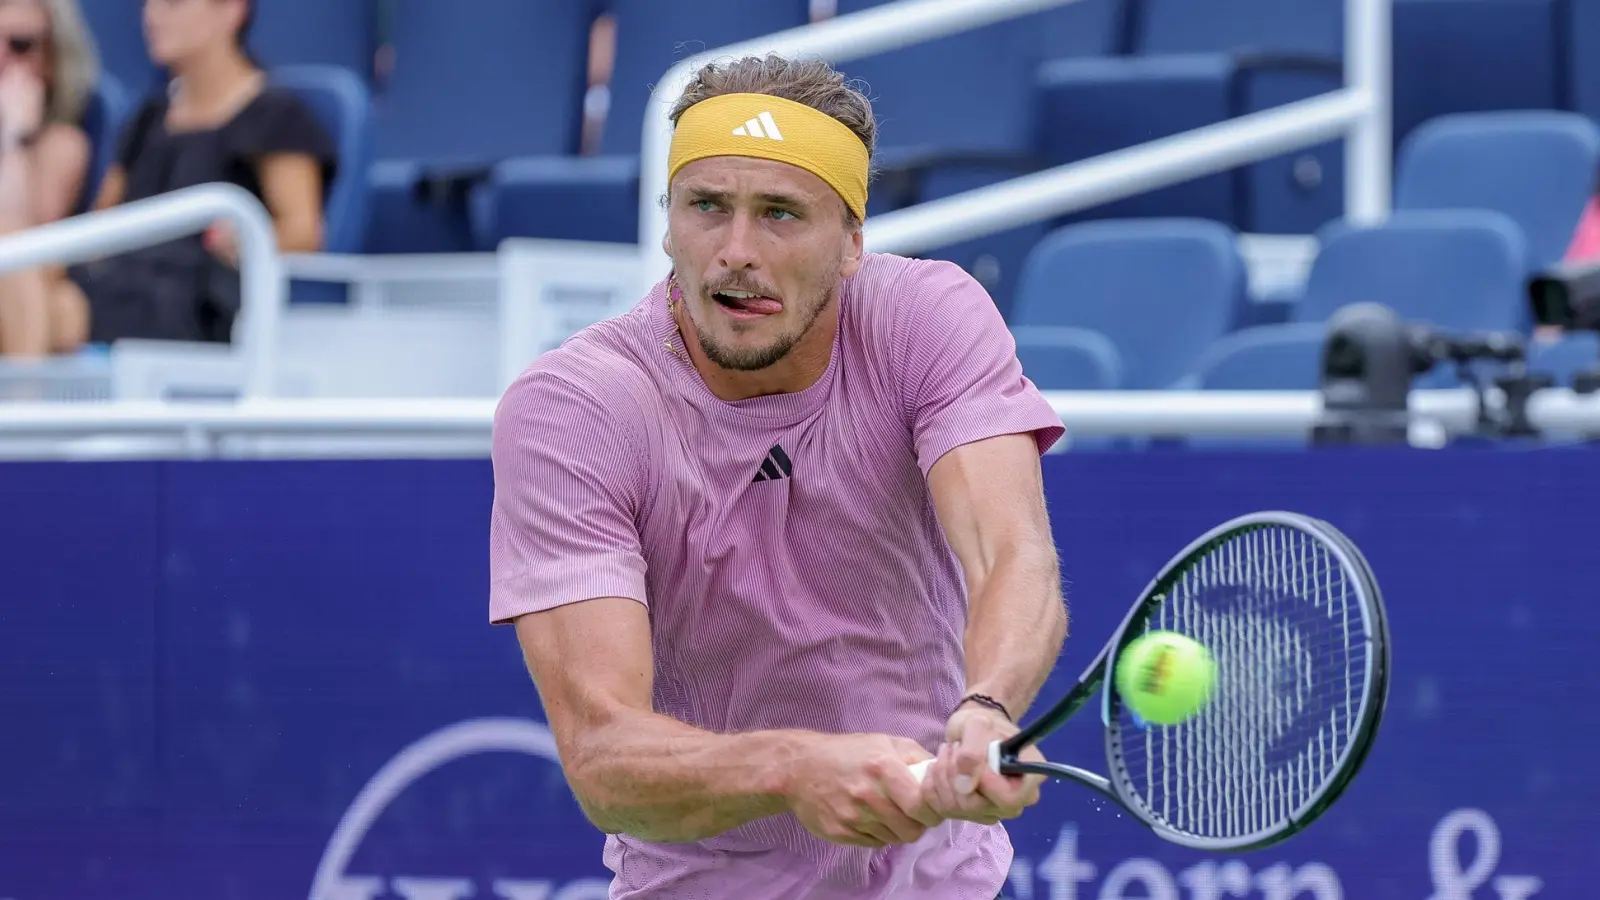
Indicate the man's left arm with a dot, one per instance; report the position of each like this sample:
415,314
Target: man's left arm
989,496
979,426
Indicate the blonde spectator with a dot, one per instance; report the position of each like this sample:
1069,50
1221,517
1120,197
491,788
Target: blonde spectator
48,69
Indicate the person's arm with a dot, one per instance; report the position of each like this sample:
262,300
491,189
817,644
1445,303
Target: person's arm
292,185
979,426
989,496
112,188
41,185
62,165
567,567
632,770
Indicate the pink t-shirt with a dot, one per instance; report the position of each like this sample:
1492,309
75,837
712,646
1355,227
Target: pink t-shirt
786,547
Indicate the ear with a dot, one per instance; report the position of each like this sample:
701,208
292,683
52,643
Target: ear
853,249
666,243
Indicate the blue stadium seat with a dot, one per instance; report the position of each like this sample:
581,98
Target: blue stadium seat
598,198
1091,106
1581,32
1086,28
968,91
339,99
1265,358
1199,64
1314,27
1537,167
995,260
118,29
1161,290
1455,56
462,98
1068,359
1282,51
1566,357
1455,269
593,198
653,35
109,107
325,32
956,113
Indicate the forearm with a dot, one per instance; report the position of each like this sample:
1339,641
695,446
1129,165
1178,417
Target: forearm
16,204
655,778
1016,626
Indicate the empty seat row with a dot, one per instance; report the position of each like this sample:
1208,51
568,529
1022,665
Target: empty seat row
473,137
1153,304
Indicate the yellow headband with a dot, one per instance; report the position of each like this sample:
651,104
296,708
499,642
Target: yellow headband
767,127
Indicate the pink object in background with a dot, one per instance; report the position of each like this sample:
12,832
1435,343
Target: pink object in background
1586,240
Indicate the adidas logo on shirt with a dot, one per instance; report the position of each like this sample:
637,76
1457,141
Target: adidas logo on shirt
775,467
762,126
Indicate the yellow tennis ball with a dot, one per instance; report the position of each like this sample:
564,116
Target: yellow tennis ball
1165,677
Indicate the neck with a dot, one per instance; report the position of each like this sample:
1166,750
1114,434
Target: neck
798,370
214,76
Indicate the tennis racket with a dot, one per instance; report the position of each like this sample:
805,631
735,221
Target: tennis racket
1294,620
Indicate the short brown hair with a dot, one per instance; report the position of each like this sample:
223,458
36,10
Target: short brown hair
809,81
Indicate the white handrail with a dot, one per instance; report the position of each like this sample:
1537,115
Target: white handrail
1112,176
1368,66
1128,413
1360,111
143,223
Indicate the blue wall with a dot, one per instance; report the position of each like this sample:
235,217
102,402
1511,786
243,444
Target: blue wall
201,665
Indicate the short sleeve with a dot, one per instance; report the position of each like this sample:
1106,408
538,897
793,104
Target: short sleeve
281,122
960,378
568,476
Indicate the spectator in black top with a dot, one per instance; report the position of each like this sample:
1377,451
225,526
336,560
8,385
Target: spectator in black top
48,69
218,120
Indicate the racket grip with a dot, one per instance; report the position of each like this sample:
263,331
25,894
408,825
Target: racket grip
920,770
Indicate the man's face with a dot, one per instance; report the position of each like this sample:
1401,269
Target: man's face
759,248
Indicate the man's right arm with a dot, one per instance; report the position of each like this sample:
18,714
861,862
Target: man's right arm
632,770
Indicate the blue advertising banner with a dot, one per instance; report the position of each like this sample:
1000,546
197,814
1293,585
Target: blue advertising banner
273,679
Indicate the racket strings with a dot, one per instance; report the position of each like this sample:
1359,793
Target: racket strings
1278,612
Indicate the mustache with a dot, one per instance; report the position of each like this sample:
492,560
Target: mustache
740,284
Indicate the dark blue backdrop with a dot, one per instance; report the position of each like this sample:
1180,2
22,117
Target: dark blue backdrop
202,664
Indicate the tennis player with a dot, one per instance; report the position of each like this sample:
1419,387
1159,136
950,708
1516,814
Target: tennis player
779,532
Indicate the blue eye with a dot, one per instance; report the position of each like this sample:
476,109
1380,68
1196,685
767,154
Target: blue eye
704,205
783,212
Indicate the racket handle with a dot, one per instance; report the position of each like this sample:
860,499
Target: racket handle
920,770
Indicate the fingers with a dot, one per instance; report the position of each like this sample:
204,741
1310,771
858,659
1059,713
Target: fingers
1010,794
943,793
988,798
905,793
971,760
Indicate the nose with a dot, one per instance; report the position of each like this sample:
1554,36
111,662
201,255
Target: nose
739,248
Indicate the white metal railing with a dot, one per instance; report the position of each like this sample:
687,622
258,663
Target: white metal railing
1138,413
1360,111
144,223
372,277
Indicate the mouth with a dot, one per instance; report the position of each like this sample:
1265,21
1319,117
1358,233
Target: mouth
747,305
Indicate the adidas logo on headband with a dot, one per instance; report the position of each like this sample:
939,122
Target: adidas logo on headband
762,126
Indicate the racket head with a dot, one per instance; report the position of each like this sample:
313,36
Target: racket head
1293,616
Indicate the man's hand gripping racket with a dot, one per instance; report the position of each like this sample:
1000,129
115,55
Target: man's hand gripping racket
1292,616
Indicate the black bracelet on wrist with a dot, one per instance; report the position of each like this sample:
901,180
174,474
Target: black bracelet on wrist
988,701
